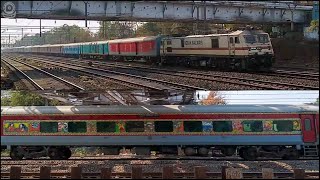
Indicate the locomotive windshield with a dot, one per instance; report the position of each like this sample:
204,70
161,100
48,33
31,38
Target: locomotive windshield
263,38
249,38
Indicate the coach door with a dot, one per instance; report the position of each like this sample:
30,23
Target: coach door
232,46
308,128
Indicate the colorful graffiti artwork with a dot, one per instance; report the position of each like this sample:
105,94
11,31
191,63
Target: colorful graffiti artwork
120,127
178,126
207,126
268,126
237,126
62,127
148,126
34,127
296,125
91,126
16,127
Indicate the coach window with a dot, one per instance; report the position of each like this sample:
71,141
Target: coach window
307,125
135,126
283,126
252,126
222,126
48,127
215,43
236,39
106,126
163,126
77,127
192,126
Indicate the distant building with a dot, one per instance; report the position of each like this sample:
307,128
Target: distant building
315,10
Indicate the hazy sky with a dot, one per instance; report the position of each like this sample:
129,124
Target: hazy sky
16,27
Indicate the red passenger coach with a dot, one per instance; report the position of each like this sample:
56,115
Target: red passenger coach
142,47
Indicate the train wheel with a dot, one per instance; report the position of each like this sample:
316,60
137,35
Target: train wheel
203,151
189,151
66,153
250,154
228,151
15,155
54,153
291,154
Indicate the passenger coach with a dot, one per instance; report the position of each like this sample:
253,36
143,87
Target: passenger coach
252,131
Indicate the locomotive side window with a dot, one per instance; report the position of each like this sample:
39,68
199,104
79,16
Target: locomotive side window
77,127
168,42
252,126
231,40
135,126
283,126
215,43
307,125
236,39
182,42
106,126
48,127
163,126
192,126
222,126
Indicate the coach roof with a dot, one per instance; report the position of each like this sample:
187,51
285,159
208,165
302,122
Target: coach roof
157,109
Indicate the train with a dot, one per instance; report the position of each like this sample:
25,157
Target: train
249,131
242,50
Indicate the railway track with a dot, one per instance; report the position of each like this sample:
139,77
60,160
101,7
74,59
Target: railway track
136,80
202,76
297,68
6,160
158,175
294,74
38,78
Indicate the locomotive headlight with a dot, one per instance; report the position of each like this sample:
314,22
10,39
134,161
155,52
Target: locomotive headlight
252,48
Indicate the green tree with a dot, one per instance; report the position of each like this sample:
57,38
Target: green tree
115,30
25,98
314,25
5,101
149,29
58,35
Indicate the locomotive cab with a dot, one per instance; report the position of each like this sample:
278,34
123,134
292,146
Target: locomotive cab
258,50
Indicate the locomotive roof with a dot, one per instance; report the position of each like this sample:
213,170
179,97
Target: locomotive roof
148,38
156,109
